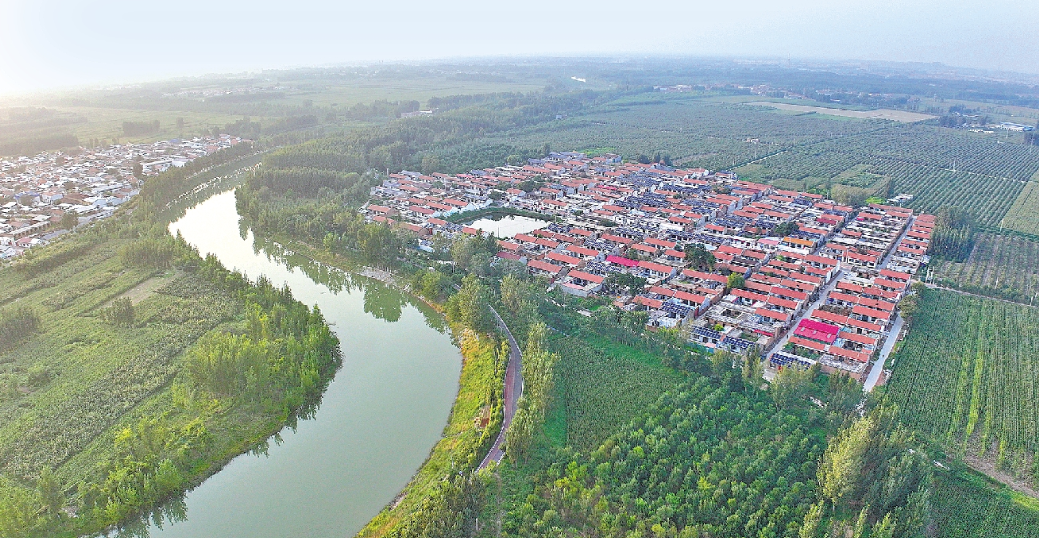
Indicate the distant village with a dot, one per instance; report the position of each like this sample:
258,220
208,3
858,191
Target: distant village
53,192
802,278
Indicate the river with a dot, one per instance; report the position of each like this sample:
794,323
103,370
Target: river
377,421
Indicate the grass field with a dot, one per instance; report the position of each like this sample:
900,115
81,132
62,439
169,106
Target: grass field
968,374
1002,266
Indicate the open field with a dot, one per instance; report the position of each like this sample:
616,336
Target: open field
881,114
1002,266
968,374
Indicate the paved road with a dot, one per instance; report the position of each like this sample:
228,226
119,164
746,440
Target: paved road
889,344
512,392
878,367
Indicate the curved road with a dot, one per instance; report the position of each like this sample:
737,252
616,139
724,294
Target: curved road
511,394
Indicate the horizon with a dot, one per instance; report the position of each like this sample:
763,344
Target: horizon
45,50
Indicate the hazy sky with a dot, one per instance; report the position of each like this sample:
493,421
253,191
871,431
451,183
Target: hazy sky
53,43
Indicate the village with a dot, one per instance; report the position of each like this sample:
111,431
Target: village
45,196
730,264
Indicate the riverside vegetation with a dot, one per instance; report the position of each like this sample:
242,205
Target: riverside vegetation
595,449
625,433
132,369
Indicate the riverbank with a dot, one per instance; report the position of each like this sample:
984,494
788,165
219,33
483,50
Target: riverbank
476,414
473,425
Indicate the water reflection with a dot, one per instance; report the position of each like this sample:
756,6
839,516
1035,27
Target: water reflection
508,226
380,300
329,473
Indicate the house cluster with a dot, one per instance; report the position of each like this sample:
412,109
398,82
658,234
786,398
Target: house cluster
732,264
36,192
880,251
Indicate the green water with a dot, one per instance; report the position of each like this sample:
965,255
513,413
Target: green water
377,421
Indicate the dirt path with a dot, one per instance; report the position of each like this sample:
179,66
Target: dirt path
145,289
989,469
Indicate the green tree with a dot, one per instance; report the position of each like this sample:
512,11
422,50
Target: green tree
469,306
120,313
735,281
753,369
18,511
862,524
842,463
789,386
69,220
700,258
430,164
50,492
812,525
884,528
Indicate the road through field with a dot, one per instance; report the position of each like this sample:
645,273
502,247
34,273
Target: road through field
513,390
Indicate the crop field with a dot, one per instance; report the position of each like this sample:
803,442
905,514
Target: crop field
600,387
1023,215
976,173
1002,266
937,147
966,506
189,108
968,374
985,198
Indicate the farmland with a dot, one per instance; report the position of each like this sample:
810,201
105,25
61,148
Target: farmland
1023,215
976,173
692,131
968,374
601,385
189,107
967,506
881,114
1002,266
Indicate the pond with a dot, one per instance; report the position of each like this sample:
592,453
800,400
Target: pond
507,226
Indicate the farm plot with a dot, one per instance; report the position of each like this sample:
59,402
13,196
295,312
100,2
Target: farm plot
1000,266
967,506
968,374
1024,214
985,198
936,147
600,386
879,114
